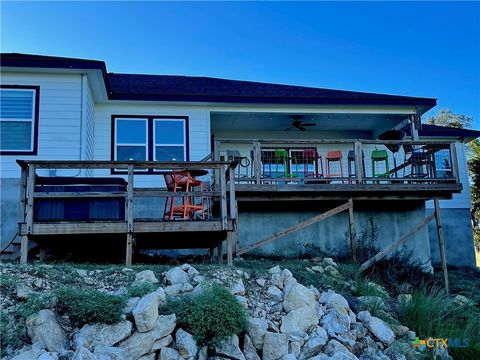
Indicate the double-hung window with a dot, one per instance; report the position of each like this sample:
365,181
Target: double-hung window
18,119
150,138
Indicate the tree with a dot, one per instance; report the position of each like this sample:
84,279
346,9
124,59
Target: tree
445,117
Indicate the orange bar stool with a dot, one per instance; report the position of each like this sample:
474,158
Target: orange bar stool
177,182
334,156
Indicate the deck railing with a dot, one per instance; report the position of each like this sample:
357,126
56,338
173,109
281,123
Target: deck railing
273,161
223,171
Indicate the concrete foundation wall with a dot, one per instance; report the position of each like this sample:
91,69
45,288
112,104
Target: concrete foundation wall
10,195
330,236
458,234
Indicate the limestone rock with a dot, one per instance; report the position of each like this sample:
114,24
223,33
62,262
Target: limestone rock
297,296
249,350
345,356
176,276
275,346
146,312
377,326
161,343
169,354
151,356
130,305
23,291
48,356
146,276
44,328
299,320
334,347
173,290
139,344
84,354
332,299
256,329
161,296
274,270
288,357
260,282
404,299
318,338
109,352
230,348
93,335
275,293
186,345
237,288
336,322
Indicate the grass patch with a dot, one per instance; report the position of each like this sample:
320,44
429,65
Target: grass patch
211,316
141,289
433,314
84,306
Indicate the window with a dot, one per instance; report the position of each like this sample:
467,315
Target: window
18,119
149,138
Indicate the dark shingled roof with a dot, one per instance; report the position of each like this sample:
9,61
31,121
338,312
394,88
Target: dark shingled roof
444,131
206,89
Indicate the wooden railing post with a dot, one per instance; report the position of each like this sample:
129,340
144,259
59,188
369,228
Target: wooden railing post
233,213
223,197
358,162
129,216
22,216
257,155
216,157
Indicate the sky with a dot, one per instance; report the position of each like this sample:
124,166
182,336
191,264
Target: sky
429,49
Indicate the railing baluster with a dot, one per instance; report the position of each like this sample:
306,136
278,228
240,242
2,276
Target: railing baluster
358,161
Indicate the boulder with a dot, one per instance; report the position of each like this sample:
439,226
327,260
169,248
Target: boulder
151,356
23,291
109,352
169,354
275,294
257,329
230,348
161,343
334,347
237,288
146,312
297,296
130,305
186,344
275,346
173,290
48,356
288,357
345,356
313,346
377,326
84,354
93,335
139,344
299,320
336,322
274,270
332,299
43,327
146,276
249,350
176,276
161,296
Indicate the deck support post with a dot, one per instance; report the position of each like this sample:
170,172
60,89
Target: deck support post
257,161
353,240
220,253
129,214
21,220
229,248
23,249
30,188
441,244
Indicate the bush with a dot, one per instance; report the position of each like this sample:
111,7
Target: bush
211,316
34,304
141,289
10,334
433,314
85,306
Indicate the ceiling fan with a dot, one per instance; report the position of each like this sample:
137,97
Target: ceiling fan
297,123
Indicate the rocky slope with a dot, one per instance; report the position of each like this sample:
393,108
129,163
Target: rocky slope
287,320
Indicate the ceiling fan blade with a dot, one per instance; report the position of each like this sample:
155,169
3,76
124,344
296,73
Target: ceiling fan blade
301,128
291,127
309,124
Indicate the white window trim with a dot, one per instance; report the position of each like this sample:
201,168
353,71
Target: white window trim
184,145
117,144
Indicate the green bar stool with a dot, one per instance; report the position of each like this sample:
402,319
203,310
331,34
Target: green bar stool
281,158
378,156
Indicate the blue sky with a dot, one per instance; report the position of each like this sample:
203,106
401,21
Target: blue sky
427,49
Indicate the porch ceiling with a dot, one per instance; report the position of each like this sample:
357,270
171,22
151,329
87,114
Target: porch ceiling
324,122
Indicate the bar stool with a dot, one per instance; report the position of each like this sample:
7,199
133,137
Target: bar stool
351,159
379,156
181,181
281,158
334,156
310,156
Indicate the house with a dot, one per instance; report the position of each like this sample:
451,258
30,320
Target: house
288,154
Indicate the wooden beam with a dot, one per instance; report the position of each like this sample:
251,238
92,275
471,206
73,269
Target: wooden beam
379,256
229,248
223,197
257,161
441,244
129,219
359,162
21,216
30,187
351,225
220,253
297,227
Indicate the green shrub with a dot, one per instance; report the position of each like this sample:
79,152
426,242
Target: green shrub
141,288
34,304
10,334
433,314
85,306
211,316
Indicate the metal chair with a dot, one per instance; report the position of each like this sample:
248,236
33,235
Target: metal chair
380,156
311,156
334,156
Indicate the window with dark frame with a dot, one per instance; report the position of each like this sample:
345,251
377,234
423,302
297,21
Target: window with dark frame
149,138
19,106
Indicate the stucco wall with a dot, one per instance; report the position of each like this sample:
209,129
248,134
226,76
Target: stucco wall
9,209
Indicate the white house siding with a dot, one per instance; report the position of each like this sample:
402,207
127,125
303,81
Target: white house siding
59,118
199,131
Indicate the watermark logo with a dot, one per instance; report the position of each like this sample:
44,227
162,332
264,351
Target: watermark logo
431,343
